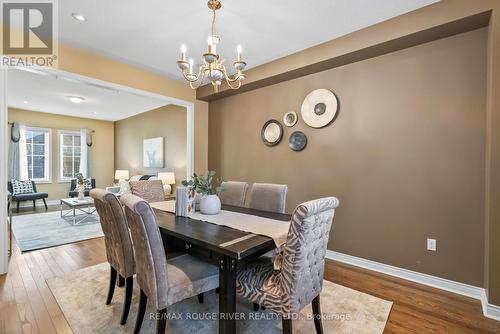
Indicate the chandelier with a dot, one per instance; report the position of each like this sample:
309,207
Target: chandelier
212,67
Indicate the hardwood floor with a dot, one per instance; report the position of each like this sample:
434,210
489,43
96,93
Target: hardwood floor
28,306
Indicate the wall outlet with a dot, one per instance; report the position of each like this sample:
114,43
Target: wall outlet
431,244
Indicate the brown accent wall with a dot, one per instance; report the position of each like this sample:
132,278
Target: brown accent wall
102,159
405,155
168,122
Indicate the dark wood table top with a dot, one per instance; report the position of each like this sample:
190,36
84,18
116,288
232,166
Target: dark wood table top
214,237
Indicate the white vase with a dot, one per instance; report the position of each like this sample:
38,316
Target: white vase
210,204
81,191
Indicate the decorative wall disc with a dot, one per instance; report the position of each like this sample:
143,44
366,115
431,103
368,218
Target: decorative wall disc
297,141
319,108
290,118
271,132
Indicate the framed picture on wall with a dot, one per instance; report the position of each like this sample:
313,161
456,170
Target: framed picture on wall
153,153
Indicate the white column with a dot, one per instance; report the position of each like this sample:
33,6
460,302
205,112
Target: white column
3,171
190,141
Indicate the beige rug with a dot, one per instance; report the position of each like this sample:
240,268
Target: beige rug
82,294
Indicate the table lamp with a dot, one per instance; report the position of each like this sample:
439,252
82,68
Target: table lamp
167,178
121,176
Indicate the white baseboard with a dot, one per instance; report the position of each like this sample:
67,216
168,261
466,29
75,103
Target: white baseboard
489,310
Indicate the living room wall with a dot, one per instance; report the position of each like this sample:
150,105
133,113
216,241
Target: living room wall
405,155
102,162
168,122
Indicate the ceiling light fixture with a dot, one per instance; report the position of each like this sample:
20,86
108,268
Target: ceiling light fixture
76,99
79,17
212,67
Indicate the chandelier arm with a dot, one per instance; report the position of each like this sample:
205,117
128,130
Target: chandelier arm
233,87
229,80
200,71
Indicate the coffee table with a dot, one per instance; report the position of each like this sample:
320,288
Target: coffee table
85,208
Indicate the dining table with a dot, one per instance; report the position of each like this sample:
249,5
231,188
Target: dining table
225,247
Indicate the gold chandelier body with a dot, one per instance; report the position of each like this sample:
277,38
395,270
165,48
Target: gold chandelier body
212,68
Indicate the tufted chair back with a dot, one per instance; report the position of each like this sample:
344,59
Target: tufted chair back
233,193
304,253
116,235
149,252
268,197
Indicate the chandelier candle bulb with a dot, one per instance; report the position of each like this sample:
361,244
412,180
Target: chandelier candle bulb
191,63
239,49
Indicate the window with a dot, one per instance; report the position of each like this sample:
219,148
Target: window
38,154
69,154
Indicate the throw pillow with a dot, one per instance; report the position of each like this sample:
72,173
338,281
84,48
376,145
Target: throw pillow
87,184
22,187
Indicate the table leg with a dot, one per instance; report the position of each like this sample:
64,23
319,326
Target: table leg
227,296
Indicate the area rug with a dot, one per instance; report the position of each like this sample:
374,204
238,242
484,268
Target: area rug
48,229
82,294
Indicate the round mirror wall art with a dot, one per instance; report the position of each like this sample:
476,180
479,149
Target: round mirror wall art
271,132
297,141
290,118
319,108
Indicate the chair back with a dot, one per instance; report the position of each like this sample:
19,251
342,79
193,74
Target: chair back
304,253
233,193
117,239
148,190
148,247
268,197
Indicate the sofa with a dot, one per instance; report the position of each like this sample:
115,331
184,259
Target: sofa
32,196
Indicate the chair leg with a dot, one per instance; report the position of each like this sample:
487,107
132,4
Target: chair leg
112,283
161,323
316,308
200,298
143,301
287,325
121,281
256,307
45,203
217,290
34,205
17,206
129,287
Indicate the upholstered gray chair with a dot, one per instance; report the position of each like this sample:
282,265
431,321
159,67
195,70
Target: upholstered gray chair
300,280
148,190
163,283
268,197
118,243
233,193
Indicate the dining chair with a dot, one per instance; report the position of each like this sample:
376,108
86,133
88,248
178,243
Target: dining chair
300,280
268,197
233,193
163,282
118,244
149,190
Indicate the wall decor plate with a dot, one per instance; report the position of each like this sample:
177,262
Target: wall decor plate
271,132
297,141
290,118
319,108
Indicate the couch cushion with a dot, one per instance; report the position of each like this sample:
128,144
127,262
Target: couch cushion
29,197
22,187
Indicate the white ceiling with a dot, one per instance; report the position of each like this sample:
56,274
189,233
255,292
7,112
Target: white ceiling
148,33
48,93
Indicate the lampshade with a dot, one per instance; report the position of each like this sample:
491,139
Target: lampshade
167,177
121,175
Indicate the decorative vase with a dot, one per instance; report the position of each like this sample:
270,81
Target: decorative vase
210,205
81,191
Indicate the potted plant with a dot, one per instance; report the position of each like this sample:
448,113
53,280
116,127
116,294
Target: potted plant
208,188
80,185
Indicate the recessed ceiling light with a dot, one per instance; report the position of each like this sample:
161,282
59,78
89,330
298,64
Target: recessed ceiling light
79,17
76,99
25,102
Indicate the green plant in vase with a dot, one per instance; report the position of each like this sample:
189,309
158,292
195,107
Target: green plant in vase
80,185
208,187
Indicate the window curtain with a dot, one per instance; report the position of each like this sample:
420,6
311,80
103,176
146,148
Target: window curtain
23,154
85,145
15,136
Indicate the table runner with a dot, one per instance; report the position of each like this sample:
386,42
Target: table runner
168,206
275,229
